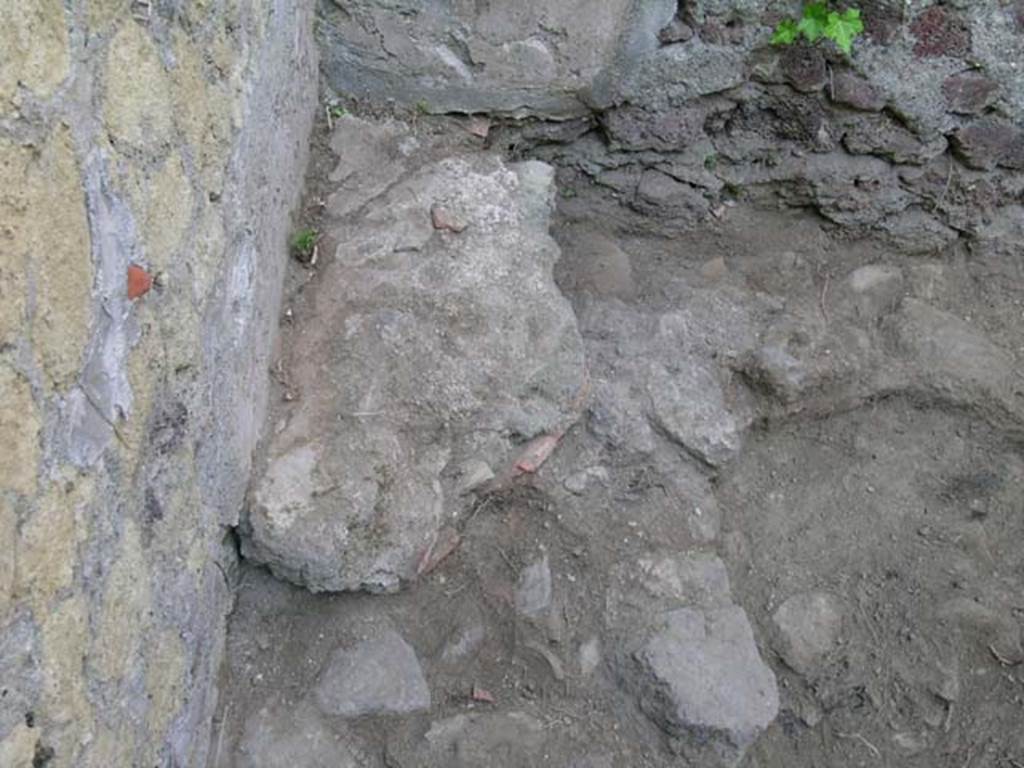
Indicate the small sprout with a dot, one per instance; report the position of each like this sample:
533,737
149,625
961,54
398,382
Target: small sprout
304,245
711,161
336,111
422,107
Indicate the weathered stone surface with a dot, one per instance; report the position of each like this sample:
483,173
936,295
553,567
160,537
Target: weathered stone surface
689,655
380,675
21,671
34,40
940,32
969,94
439,345
989,626
19,430
874,290
701,679
856,92
138,108
808,626
597,265
988,143
286,735
915,231
533,593
131,140
954,359
474,740
529,56
883,136
676,31
804,68
689,405
665,196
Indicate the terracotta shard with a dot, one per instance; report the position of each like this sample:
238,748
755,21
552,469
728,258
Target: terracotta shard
139,281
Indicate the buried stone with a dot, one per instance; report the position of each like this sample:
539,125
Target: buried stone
380,675
433,347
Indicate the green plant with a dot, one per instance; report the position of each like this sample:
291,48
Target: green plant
817,22
422,107
336,111
711,161
303,243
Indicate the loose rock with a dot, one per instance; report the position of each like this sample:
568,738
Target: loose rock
380,675
701,679
533,595
287,735
808,627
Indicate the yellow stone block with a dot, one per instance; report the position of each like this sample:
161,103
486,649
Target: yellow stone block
100,14
48,544
18,748
65,637
165,682
44,230
168,212
137,108
19,434
8,544
126,600
110,748
203,113
34,46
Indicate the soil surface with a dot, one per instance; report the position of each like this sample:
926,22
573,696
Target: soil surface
867,504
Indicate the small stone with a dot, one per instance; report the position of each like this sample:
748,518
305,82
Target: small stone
445,542
940,32
380,675
589,656
444,219
875,289
714,269
287,735
466,636
690,406
676,31
472,474
533,594
479,126
473,741
986,144
808,627
804,68
578,481
856,92
883,136
909,743
993,629
969,94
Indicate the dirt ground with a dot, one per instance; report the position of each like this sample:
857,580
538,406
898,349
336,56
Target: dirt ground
904,507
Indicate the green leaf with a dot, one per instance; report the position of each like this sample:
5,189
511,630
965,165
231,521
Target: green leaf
815,19
844,28
785,33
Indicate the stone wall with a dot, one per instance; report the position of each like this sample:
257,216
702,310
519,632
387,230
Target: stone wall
171,136
678,106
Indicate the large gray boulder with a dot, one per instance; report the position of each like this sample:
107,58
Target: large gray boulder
436,336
